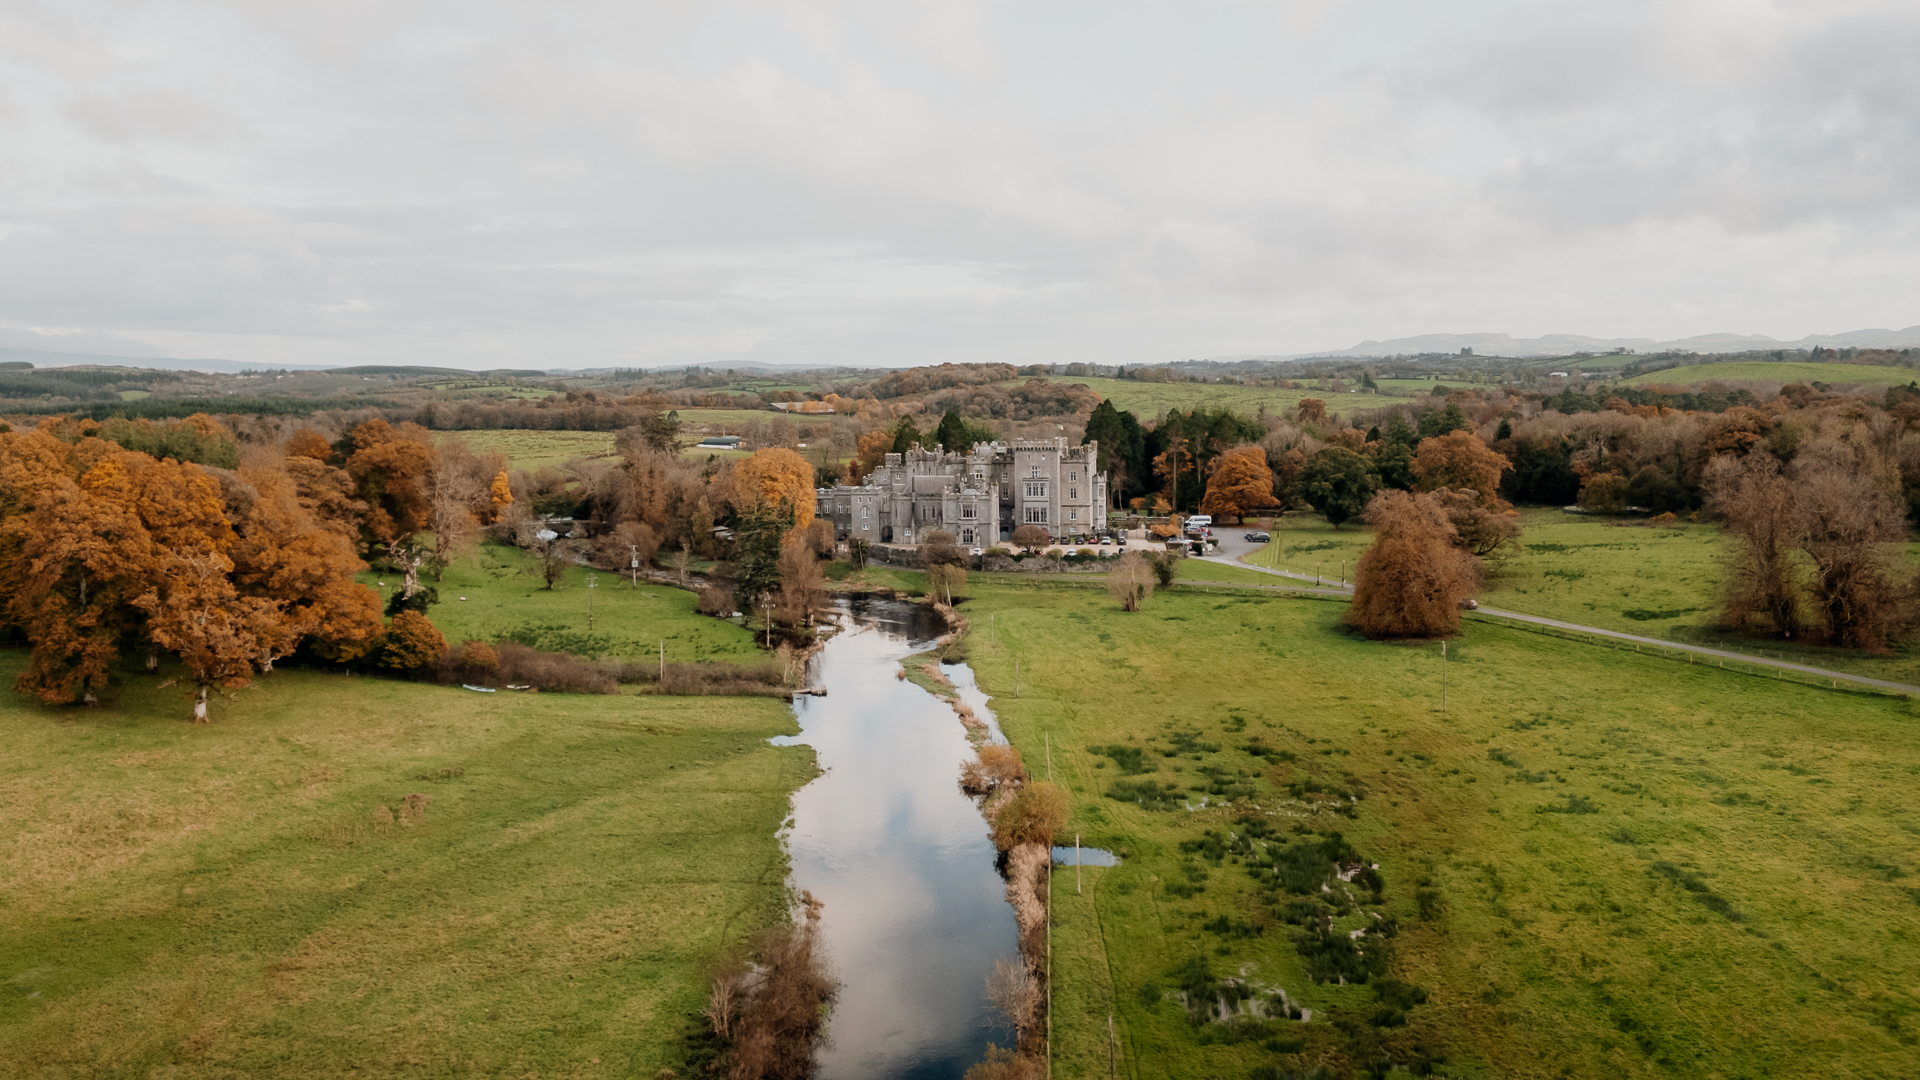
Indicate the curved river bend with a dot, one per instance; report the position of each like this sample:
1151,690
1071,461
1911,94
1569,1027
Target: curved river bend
915,912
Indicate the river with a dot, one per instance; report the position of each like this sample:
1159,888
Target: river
915,913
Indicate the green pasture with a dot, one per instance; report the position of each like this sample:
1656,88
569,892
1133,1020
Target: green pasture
238,899
532,450
1147,399
135,395
1788,371
726,421
1600,864
505,599
1613,573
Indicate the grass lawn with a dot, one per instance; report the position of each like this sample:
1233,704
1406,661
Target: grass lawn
231,901
505,602
1631,867
537,449
1784,372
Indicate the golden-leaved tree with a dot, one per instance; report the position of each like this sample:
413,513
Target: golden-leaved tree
1241,482
776,482
107,549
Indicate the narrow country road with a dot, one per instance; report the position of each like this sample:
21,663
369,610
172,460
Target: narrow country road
1232,547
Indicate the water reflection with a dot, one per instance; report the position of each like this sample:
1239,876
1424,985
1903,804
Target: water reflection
915,914
1086,856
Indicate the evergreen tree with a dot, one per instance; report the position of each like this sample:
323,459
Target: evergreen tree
1401,432
1373,433
952,435
905,436
1506,430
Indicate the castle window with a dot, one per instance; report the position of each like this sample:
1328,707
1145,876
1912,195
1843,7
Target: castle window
1073,515
1073,493
1036,472
1037,514
966,511
1072,476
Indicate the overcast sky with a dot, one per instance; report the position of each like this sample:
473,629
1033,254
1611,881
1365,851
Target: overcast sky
574,184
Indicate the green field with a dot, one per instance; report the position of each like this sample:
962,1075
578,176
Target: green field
728,421
539,449
504,601
1632,867
135,395
1147,399
232,901
1783,372
1613,573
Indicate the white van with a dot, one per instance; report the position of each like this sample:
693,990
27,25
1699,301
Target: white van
1200,521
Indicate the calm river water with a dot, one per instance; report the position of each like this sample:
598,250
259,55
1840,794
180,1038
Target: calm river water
915,913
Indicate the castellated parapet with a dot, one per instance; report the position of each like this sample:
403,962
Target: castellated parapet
979,496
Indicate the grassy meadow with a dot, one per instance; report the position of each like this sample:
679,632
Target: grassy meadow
1600,864
1613,573
1863,375
1148,399
525,449
239,900
505,599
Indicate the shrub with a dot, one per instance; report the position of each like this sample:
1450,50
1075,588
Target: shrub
999,551
1032,536
1034,815
478,661
714,600
993,766
1163,568
412,642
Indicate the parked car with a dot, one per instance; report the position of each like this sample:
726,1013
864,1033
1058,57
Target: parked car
1257,537
1106,541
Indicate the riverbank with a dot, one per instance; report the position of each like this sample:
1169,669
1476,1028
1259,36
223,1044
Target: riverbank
231,899
1591,861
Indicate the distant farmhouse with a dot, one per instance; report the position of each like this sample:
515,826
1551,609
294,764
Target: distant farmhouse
979,497
718,442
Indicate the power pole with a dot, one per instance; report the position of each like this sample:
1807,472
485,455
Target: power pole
633,551
1443,676
590,587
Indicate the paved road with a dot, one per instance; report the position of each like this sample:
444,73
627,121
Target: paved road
1232,546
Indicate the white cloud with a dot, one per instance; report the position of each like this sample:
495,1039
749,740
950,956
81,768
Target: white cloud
880,183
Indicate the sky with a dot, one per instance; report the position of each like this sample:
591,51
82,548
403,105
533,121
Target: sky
570,184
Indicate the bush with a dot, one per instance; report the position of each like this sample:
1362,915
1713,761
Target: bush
993,766
411,643
1032,536
714,600
478,661
1032,817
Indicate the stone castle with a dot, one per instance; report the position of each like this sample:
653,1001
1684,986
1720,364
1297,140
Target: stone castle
979,497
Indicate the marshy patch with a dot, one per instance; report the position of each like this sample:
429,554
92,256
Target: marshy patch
1149,794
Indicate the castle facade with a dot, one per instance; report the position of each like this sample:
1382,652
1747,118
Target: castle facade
979,496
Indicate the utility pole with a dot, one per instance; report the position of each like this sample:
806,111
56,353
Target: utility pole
1443,676
590,586
633,551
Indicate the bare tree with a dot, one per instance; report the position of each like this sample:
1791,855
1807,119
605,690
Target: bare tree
1756,500
802,585
1032,536
1850,523
1131,581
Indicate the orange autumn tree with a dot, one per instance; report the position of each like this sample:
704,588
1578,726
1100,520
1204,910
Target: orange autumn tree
108,548
1240,483
777,482
500,493
1411,581
389,467
1460,460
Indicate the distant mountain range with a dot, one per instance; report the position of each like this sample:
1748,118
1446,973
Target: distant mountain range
43,350
1567,344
